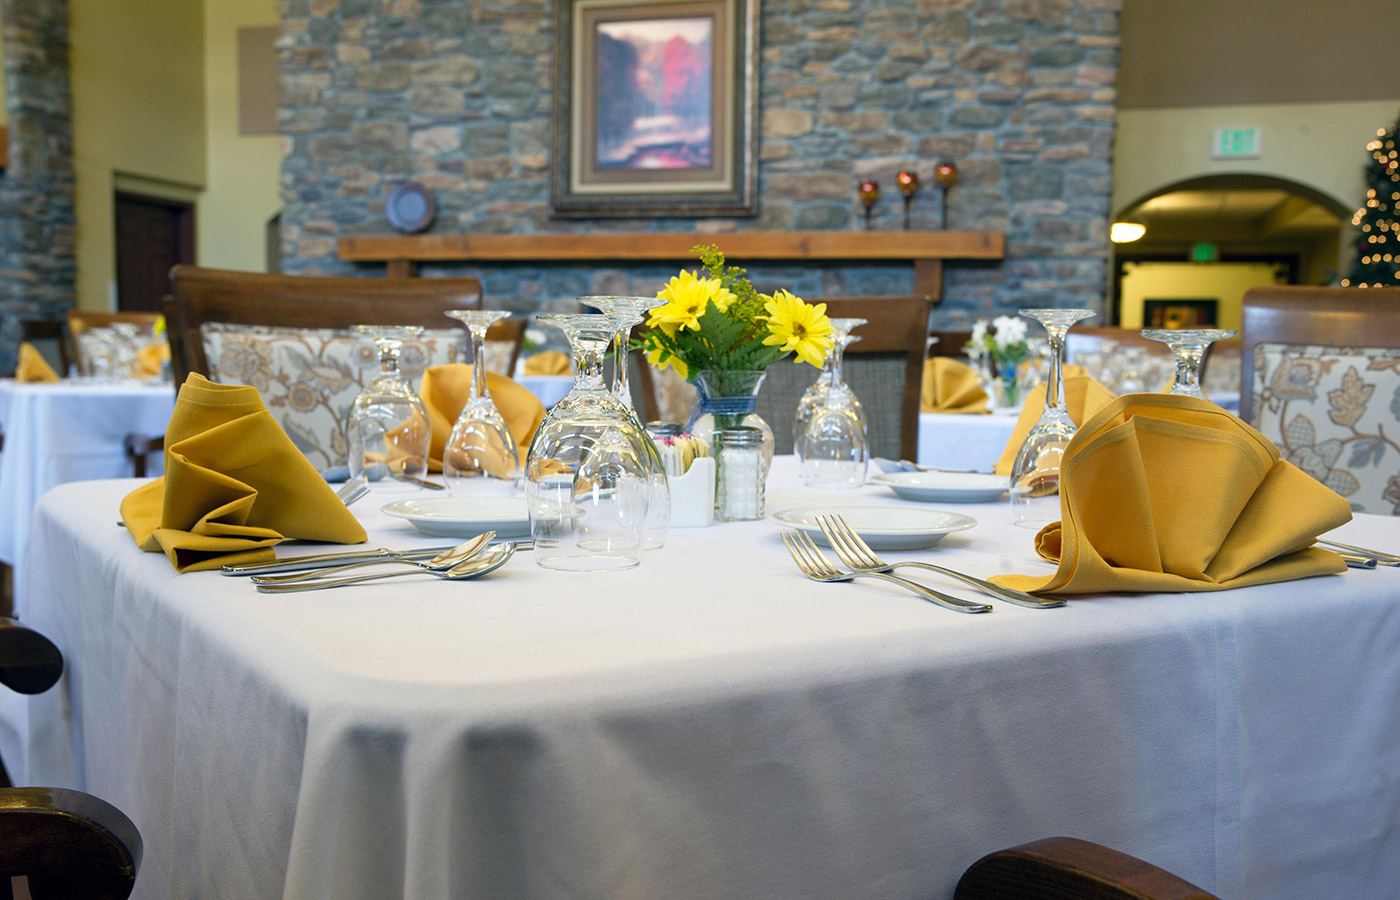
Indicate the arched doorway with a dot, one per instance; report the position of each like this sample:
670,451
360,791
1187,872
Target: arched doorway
1210,238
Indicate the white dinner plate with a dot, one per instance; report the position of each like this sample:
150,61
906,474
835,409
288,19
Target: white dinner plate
882,527
944,487
464,516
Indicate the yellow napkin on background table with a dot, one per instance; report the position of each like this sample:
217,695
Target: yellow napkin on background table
149,358
1160,492
950,386
547,362
32,367
234,485
1083,397
445,390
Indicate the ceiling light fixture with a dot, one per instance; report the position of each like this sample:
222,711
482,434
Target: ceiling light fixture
1126,232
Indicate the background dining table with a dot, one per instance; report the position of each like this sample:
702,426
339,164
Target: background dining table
709,724
63,431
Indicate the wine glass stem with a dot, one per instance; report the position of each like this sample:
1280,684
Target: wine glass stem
1188,363
478,336
388,359
834,360
588,359
1055,386
624,393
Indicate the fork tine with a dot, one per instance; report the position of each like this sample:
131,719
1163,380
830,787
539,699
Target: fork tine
856,542
846,542
796,553
815,555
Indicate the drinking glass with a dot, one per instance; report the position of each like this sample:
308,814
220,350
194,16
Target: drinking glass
480,455
1188,345
125,347
833,447
388,427
587,478
1035,475
629,312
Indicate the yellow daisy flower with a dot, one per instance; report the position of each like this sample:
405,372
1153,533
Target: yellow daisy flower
688,295
654,351
796,325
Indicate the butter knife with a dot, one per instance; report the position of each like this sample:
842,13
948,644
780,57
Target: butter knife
318,561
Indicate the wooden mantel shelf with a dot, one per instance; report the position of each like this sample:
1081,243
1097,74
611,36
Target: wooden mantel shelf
925,249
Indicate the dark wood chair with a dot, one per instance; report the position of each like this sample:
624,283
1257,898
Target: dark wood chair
950,342
1330,317
511,331
884,369
1063,868
66,844
51,335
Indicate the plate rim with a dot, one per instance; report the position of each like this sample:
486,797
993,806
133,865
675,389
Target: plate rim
403,514
891,479
963,525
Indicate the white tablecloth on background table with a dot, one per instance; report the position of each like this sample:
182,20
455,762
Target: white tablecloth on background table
709,724
549,388
68,431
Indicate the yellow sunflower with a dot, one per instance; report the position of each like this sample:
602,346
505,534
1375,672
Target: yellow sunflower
798,326
688,295
654,351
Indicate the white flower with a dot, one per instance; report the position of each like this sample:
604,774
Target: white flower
1009,331
979,332
536,336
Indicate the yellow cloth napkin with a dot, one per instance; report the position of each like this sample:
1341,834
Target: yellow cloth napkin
1083,397
950,386
547,362
234,485
149,358
445,390
1160,492
32,367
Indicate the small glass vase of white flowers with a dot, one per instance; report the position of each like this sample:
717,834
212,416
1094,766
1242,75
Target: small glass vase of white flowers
1002,343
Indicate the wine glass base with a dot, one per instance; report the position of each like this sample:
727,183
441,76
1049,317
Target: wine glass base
600,562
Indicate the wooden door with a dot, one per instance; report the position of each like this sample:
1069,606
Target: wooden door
152,235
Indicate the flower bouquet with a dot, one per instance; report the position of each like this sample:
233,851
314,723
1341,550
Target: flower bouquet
720,333
1005,344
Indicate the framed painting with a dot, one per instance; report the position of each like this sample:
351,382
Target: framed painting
655,108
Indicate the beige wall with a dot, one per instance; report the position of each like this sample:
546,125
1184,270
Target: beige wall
243,191
138,118
1225,282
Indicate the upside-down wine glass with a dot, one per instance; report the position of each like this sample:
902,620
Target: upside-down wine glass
835,448
1035,475
388,424
480,455
629,312
840,336
587,477
1188,345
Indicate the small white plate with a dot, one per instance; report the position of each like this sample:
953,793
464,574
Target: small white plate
464,516
944,487
882,527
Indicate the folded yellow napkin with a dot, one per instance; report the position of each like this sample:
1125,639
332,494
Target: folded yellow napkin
32,367
950,386
234,485
1160,492
149,358
445,390
547,362
1083,397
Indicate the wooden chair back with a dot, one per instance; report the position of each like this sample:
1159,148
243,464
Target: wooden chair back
200,295
1062,868
950,342
29,662
68,845
884,369
1299,314
508,331
54,336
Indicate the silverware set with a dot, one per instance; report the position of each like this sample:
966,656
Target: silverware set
1360,557
856,553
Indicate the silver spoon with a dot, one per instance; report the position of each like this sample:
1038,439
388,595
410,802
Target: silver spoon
479,565
440,563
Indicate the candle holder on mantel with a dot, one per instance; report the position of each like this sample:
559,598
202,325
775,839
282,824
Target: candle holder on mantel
908,186
869,193
946,174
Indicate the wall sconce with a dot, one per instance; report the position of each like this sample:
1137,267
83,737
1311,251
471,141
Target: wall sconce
869,193
1126,232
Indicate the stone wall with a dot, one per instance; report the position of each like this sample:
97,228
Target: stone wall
36,191
456,95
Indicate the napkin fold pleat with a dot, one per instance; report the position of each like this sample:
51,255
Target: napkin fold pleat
1083,397
547,362
950,386
150,357
445,390
31,366
234,485
1167,493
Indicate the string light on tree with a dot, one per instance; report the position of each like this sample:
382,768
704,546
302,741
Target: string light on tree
1378,232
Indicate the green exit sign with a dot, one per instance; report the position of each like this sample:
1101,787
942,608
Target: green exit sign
1235,143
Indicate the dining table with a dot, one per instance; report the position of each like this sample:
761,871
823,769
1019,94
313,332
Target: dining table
711,723
70,430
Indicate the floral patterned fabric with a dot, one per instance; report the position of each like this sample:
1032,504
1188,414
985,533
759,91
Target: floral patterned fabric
308,378
1334,412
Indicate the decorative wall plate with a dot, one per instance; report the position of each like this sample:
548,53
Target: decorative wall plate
410,208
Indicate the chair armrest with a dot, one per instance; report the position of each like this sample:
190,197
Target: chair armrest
137,447
29,662
69,844
1063,868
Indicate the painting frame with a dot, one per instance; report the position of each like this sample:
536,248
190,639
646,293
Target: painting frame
716,176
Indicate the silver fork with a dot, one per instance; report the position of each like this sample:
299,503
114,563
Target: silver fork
856,553
353,490
815,566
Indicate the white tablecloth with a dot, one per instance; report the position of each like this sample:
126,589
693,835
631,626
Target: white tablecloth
68,431
549,388
709,724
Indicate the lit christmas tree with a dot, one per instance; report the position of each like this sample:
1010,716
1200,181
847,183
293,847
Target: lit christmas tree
1378,236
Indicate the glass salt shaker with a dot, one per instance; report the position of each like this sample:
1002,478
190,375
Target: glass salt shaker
739,492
